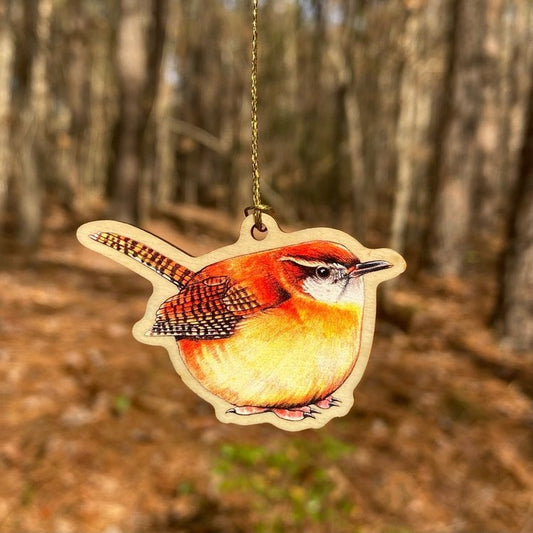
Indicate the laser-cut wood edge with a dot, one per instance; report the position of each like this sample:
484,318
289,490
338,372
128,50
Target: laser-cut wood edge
246,244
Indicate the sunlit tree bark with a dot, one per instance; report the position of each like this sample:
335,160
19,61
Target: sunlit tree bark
425,52
6,74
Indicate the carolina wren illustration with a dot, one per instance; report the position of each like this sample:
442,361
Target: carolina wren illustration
276,330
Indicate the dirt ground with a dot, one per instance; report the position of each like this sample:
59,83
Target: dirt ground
98,434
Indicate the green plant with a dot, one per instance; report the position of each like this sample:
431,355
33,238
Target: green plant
27,494
289,485
121,404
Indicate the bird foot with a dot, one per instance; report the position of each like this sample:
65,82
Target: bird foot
294,414
247,410
327,402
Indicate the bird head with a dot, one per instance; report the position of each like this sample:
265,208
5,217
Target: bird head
326,271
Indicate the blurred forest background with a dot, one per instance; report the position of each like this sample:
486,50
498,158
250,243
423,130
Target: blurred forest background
407,124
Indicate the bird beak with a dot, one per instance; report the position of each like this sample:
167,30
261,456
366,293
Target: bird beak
368,266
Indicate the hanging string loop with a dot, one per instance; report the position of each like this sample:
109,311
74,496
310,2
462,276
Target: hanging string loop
258,208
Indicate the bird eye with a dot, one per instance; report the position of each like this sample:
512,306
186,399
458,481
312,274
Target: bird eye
323,272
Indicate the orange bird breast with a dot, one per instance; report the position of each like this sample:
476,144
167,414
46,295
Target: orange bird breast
285,357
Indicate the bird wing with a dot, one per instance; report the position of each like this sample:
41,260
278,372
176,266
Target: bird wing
207,309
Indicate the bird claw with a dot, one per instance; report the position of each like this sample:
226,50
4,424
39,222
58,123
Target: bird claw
328,402
296,413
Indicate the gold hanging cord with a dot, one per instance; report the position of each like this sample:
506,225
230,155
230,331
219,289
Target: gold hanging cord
258,208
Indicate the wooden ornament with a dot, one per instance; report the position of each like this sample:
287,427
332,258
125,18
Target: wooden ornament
277,330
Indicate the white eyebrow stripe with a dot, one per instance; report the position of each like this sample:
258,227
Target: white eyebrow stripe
308,263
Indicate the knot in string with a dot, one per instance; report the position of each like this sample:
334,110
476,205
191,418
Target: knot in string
257,211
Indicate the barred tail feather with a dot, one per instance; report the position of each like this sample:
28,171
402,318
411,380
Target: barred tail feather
165,267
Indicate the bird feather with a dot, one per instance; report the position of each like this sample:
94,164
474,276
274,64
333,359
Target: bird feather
208,309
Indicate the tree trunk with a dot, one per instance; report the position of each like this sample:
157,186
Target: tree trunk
514,311
95,169
425,54
131,62
6,60
164,173
459,157
354,136
507,67
155,76
136,64
77,73
31,127
346,66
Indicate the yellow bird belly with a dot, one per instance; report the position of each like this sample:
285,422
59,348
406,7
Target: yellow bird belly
283,357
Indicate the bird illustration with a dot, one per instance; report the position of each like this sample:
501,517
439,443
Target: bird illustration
271,331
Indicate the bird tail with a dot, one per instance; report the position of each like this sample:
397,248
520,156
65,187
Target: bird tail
165,267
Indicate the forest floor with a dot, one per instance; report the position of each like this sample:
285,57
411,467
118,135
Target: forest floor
98,434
